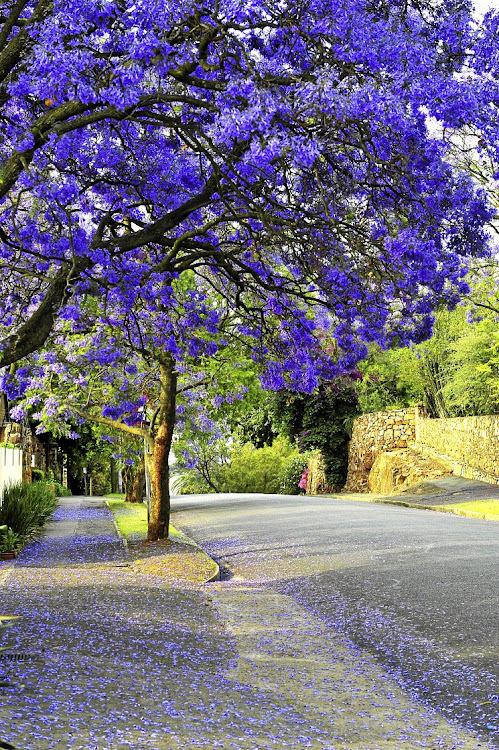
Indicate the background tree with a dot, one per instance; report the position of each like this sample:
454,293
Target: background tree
450,374
391,378
321,421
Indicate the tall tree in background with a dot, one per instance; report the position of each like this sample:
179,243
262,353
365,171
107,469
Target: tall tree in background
277,154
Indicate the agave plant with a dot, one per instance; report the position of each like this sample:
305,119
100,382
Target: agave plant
26,506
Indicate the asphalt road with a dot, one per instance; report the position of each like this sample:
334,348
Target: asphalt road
418,589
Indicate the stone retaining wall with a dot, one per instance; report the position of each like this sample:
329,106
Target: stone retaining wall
470,444
465,446
316,479
373,434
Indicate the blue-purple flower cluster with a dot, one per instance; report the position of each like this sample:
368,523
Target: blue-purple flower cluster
177,179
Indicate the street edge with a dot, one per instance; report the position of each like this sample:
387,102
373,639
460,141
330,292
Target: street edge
418,506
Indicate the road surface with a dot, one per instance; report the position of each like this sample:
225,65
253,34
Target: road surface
418,589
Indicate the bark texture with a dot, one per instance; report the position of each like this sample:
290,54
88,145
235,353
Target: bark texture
127,479
160,441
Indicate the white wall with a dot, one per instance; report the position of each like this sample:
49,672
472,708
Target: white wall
11,467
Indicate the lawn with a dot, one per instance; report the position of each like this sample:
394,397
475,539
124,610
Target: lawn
131,518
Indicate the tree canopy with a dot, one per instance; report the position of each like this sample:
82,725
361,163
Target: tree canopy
281,152
191,173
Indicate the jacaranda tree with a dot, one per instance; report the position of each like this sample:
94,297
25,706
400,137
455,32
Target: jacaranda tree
278,153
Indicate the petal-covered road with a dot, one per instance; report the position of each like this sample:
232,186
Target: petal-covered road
104,658
418,589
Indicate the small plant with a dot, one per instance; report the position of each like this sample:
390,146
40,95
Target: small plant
9,540
60,490
37,475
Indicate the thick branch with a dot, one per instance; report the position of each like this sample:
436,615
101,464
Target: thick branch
34,332
167,222
111,423
13,51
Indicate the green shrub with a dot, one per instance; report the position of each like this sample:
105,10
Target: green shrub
320,421
60,490
255,469
26,506
291,473
37,475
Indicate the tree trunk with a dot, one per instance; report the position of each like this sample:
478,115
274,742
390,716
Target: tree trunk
139,483
114,475
127,476
160,441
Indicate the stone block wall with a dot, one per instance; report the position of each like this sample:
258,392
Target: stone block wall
372,435
470,444
316,480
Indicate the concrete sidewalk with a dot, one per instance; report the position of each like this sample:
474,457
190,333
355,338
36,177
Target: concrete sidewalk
107,658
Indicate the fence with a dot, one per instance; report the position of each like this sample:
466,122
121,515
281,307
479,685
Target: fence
11,467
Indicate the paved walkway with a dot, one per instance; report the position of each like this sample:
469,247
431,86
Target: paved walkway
104,658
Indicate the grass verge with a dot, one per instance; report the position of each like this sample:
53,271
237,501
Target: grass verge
479,509
131,518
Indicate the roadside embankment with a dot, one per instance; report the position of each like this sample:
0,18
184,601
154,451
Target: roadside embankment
449,494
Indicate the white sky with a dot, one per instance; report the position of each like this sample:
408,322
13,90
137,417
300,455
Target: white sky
483,5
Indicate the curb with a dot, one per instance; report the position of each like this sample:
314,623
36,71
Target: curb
187,540
122,538
181,538
418,506
215,576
